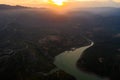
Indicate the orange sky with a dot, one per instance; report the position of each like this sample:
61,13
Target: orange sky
38,3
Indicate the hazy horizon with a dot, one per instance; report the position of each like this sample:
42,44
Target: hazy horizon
68,3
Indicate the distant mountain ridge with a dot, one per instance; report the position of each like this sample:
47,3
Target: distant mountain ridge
4,6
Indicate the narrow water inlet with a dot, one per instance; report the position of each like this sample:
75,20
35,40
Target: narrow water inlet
67,61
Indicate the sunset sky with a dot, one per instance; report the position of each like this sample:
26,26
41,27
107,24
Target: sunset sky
38,3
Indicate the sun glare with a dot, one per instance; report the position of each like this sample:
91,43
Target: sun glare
58,6
58,2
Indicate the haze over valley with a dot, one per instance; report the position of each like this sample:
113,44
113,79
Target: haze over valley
32,38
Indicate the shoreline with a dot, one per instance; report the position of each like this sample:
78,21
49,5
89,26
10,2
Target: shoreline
67,60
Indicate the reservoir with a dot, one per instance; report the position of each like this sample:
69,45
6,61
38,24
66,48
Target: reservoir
67,61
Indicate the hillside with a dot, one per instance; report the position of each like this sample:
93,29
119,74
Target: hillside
4,6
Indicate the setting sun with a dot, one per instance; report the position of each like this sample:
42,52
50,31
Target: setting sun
58,2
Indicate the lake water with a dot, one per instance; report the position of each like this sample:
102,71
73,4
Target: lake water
67,60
